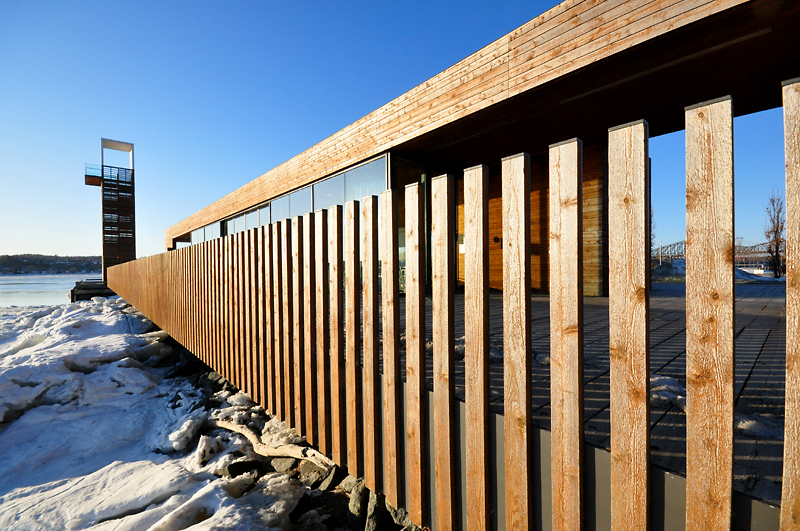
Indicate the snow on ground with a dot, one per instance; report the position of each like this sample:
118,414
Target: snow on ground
93,436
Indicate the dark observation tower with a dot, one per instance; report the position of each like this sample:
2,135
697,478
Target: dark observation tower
119,217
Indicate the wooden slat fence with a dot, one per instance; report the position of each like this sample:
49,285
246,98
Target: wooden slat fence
295,314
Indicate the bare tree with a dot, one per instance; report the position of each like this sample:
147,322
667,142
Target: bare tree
773,230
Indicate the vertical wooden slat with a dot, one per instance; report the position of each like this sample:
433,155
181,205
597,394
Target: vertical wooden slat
277,319
352,276
516,340
309,328
247,354
416,416
206,276
226,306
297,304
323,336
270,296
390,294
255,317
790,494
566,333
629,313
442,287
261,317
476,344
338,398
217,305
370,373
240,312
288,328
709,315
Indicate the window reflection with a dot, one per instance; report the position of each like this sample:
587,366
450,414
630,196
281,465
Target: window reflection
280,209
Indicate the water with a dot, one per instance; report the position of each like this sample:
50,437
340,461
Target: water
36,290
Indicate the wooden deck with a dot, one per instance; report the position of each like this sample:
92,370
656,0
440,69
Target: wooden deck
759,375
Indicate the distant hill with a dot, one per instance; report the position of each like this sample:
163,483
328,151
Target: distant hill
21,264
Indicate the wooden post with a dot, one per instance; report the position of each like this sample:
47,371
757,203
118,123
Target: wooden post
238,324
247,311
323,337
629,313
256,315
338,399
370,374
277,319
288,327
476,344
516,340
443,286
299,323
790,493
352,266
264,315
416,417
566,333
709,315
390,294
309,328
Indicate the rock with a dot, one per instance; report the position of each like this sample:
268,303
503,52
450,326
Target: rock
359,501
348,484
400,516
310,474
335,477
411,527
377,517
242,467
283,464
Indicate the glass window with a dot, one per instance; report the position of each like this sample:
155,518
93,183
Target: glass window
229,227
251,219
198,236
280,209
329,192
238,224
366,180
301,202
263,215
212,231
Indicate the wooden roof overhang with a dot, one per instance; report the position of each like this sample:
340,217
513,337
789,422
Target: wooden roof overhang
576,70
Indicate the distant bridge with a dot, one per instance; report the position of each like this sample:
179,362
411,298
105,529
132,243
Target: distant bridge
746,255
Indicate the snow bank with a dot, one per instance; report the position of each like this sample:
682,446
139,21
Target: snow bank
93,437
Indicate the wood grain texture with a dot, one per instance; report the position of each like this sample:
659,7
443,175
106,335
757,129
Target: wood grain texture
476,344
265,320
310,329
390,313
298,346
790,489
277,319
416,409
337,349
257,314
564,39
370,326
629,314
238,308
323,335
516,345
566,333
352,281
442,287
247,311
709,315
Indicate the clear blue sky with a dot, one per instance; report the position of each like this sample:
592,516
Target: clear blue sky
213,96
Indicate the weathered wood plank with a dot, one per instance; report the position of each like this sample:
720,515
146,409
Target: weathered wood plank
288,327
443,286
790,490
269,316
709,315
416,416
476,344
516,341
277,319
262,316
256,315
371,373
337,349
390,295
247,307
566,333
629,314
323,334
238,305
310,329
299,323
352,280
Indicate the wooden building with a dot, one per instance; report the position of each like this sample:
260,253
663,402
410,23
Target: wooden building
523,166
